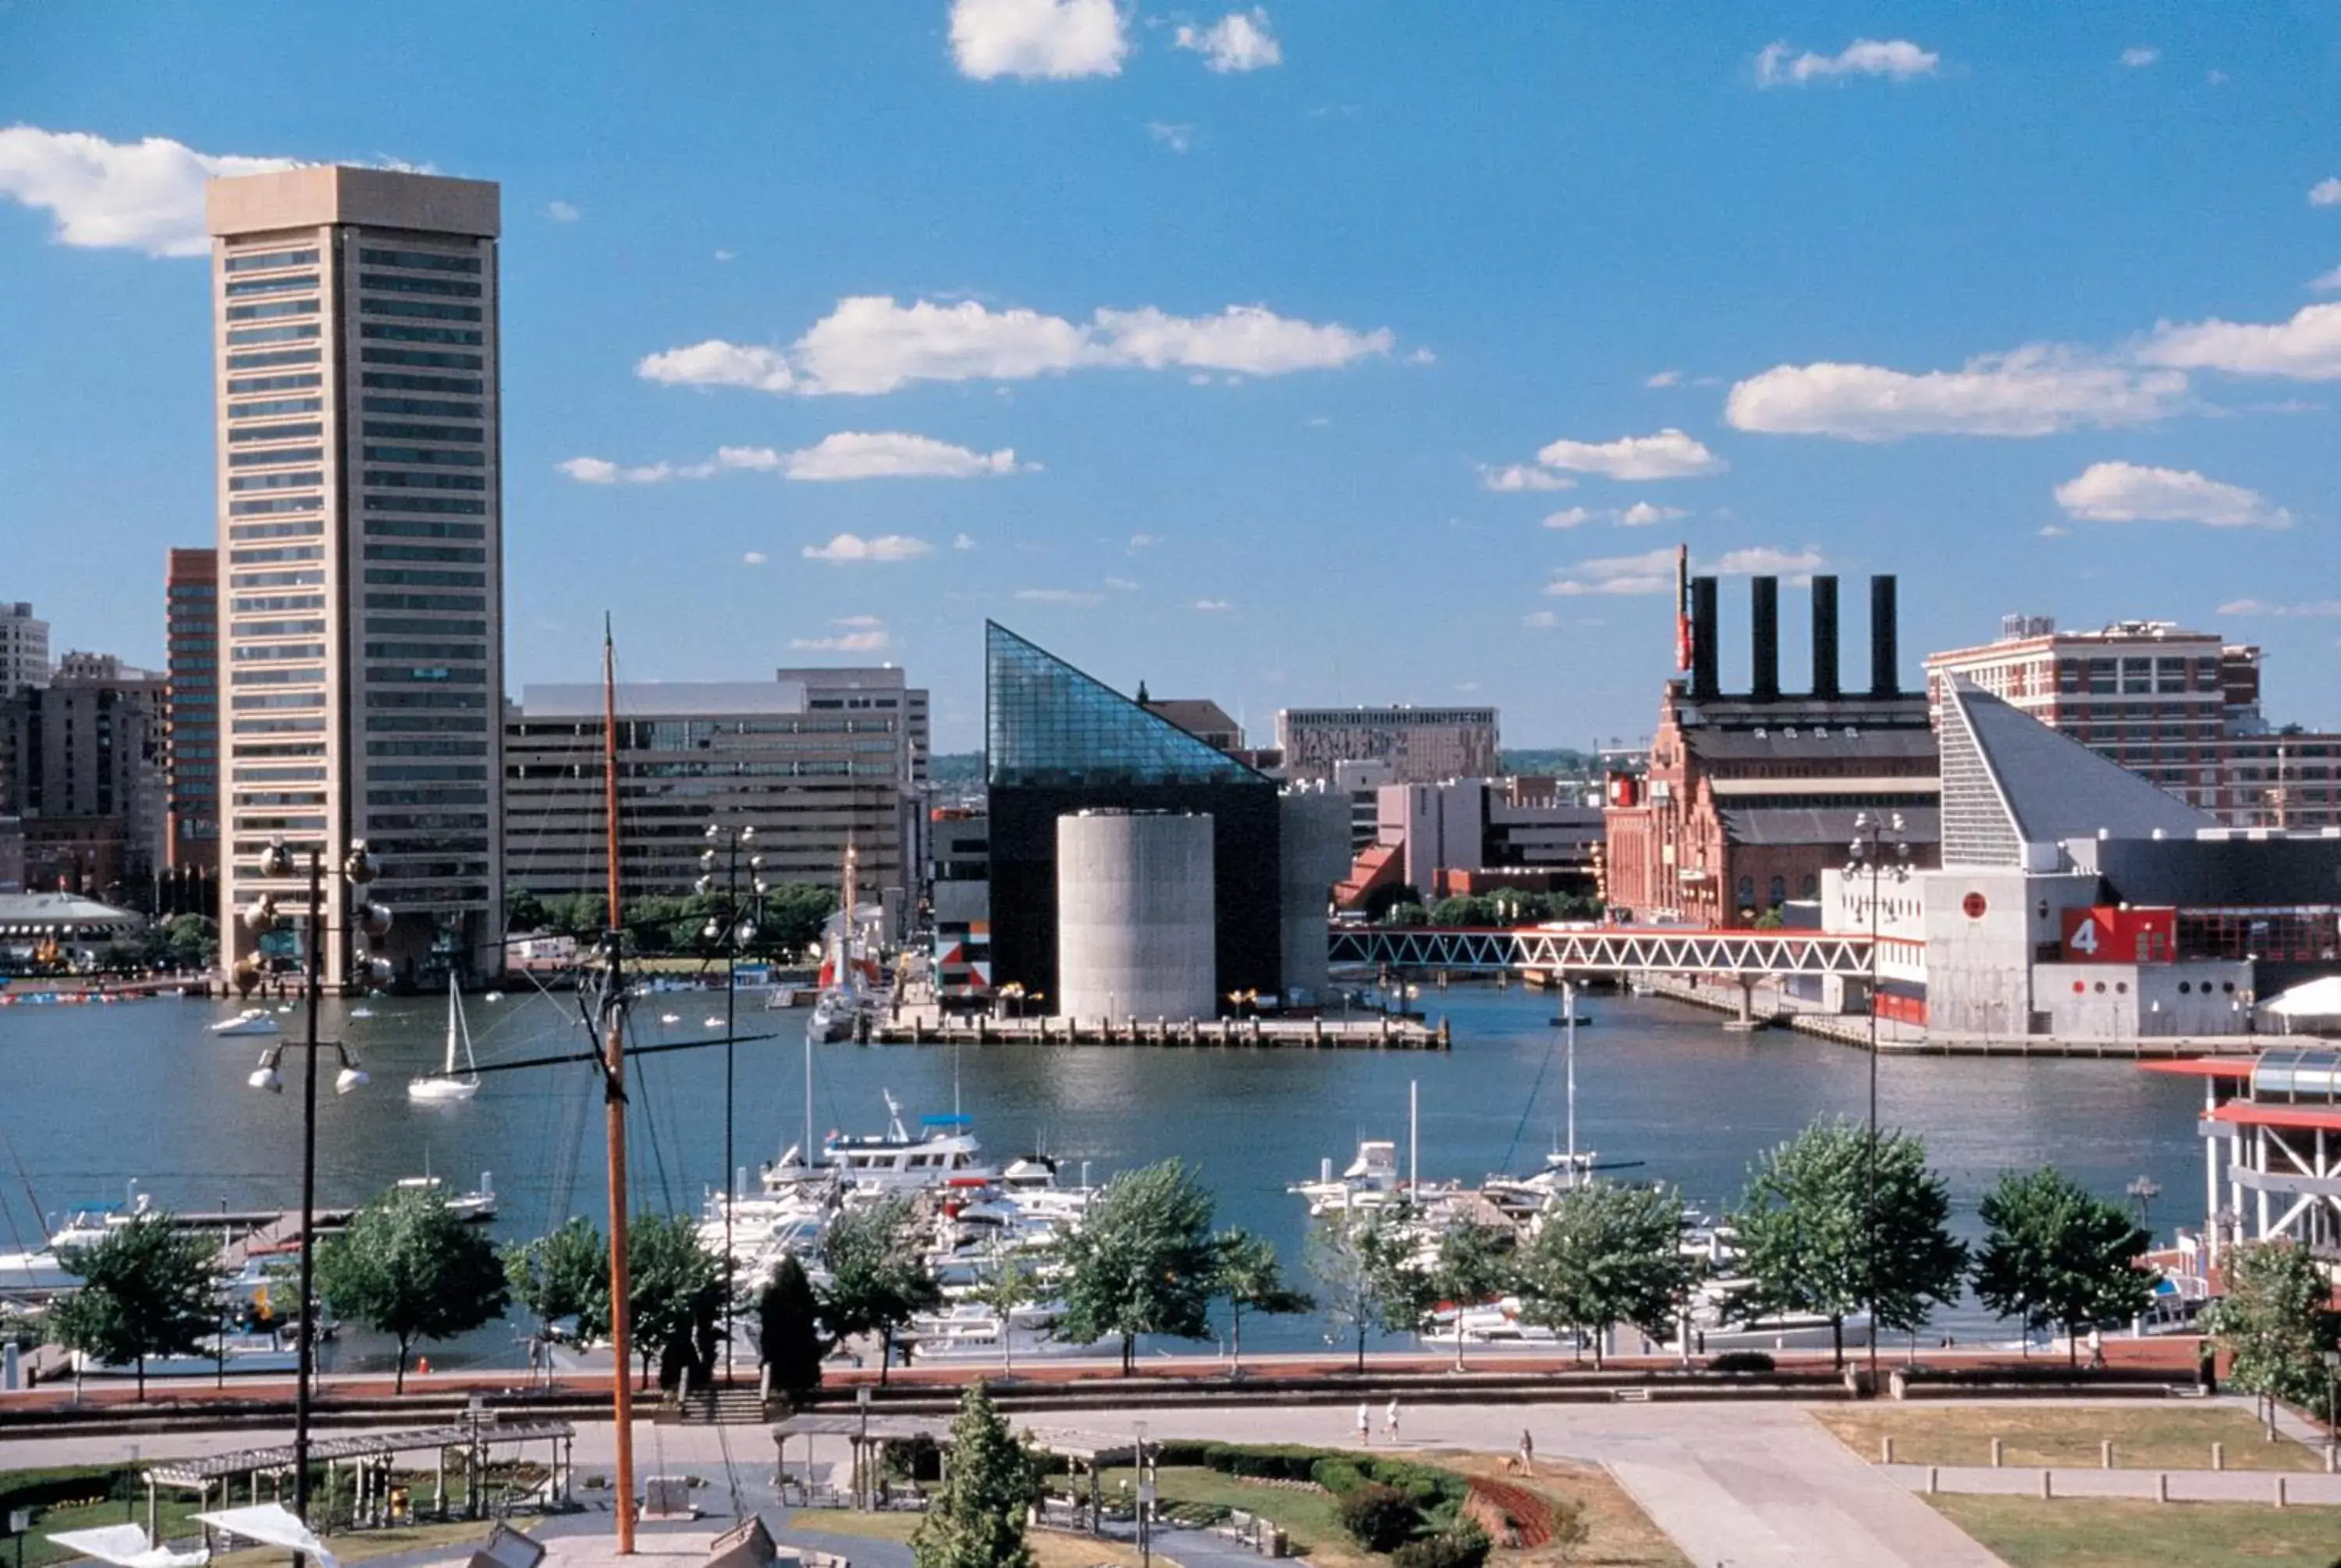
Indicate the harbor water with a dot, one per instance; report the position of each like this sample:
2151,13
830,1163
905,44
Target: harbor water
96,1097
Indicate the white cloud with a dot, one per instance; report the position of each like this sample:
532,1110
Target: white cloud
1139,541
2139,55
2037,389
1663,378
862,634
1058,596
853,547
143,195
1669,454
1213,606
2306,348
893,455
1521,476
1641,514
1239,41
2321,607
754,558
963,542
601,471
1539,617
2128,492
2327,282
1653,571
1046,40
1897,58
2054,530
1249,339
1121,584
1763,561
2325,192
718,363
562,212
1177,137
1570,517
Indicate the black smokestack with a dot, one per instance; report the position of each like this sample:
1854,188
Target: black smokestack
1883,681
1824,637
1703,682
1764,638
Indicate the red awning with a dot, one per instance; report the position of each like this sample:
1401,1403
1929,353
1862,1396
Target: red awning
2260,1114
2237,1067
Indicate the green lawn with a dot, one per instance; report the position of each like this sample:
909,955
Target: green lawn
2026,1532
2171,1435
1309,1517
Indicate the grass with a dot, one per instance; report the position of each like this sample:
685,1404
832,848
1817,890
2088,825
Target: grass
175,1516
1050,1548
2026,1532
2145,1436
1309,1518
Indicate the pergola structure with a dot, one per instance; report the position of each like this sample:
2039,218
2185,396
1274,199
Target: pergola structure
867,1437
369,1457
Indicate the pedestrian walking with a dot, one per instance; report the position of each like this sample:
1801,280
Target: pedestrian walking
1528,1453
2096,1349
1389,1422
1365,1426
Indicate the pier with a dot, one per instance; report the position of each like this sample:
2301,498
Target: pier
1378,1033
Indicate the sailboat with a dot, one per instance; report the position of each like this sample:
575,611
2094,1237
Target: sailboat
445,1086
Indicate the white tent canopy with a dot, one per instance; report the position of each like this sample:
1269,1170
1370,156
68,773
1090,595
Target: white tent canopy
2319,998
126,1545
270,1524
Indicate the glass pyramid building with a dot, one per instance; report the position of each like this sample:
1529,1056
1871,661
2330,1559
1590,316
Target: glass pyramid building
1045,723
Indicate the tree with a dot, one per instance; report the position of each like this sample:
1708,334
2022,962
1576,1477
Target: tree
977,1517
1142,1260
1608,1254
2276,1321
1363,1266
565,1274
788,1330
147,1290
523,910
878,1278
1473,1264
1008,1281
676,1289
794,915
1812,1243
2057,1254
408,1267
1245,1272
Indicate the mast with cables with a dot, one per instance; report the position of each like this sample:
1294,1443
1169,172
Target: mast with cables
613,1094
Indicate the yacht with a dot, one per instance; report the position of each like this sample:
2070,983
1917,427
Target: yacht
250,1021
1371,1181
478,1205
943,1152
446,1085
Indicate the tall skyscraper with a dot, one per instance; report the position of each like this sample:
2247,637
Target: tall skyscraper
359,485
191,708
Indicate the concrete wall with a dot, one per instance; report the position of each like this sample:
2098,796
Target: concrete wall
2127,1001
1314,853
1979,966
1135,930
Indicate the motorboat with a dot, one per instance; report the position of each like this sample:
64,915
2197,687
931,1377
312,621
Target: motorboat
250,1021
943,1152
478,1205
361,1012
1370,1180
445,1086
40,1273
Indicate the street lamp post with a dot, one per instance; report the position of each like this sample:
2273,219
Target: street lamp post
1876,841
2143,1190
358,868
734,930
1145,1502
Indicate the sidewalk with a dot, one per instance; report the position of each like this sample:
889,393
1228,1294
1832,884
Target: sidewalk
2139,1485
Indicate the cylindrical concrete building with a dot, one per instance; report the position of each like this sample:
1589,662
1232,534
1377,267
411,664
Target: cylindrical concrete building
1314,853
1135,932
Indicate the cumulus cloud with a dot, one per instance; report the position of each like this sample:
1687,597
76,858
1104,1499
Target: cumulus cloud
1653,571
144,195
861,634
853,547
1896,58
2138,56
1176,136
754,558
2319,607
1239,41
895,454
872,344
963,542
2128,492
1213,606
1521,476
2325,192
1570,517
1663,378
1669,454
1763,561
2037,389
1642,513
2306,348
1058,596
562,212
2327,281
1038,40
601,471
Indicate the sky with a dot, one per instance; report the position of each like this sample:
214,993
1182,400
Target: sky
1345,352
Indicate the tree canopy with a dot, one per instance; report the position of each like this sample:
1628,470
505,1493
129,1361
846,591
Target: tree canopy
1142,1260
1362,1268
1473,1264
788,1330
563,1275
147,1290
2057,1254
879,1280
407,1266
2276,1321
1608,1254
1247,1273
977,1517
676,1289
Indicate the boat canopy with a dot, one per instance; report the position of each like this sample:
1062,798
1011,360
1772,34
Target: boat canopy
947,1121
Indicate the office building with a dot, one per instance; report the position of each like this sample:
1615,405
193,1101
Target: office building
361,522
2179,708
812,760
1749,798
24,649
81,766
959,904
1422,745
191,711
1475,836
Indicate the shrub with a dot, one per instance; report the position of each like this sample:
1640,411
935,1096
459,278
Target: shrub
1424,1486
1337,1476
1378,1518
1742,1361
1465,1546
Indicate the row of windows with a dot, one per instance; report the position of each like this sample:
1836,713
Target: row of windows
419,771
398,478
471,434
416,527
278,602
377,699
276,432
263,508
262,676
280,628
292,334
426,455
416,405
413,357
430,821
279,651
312,577
421,578
275,727
245,386
307,479
279,699
271,309
391,381
267,261
420,261
399,626
427,309
281,750
305,527
283,285
461,553
426,748
392,282
279,552
426,602
426,674
284,454
276,775
426,503
280,797
424,723
390,332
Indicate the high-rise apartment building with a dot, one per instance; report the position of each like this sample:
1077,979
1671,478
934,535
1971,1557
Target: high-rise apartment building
1422,745
191,708
81,765
24,649
361,528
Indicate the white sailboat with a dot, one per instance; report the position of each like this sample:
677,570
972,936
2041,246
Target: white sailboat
444,1085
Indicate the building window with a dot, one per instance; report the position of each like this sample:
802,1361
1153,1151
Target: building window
392,283
418,260
263,360
264,459
271,310
272,285
273,334
392,333
267,261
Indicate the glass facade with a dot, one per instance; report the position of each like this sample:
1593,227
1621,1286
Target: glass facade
1046,723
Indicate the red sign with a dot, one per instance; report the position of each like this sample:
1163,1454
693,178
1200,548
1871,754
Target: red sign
2119,936
1973,906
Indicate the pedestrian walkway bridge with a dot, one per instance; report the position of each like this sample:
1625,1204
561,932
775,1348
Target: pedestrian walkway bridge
1601,950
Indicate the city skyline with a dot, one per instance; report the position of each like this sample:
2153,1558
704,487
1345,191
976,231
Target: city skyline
1262,358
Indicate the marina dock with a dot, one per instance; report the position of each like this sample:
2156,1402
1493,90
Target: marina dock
923,1027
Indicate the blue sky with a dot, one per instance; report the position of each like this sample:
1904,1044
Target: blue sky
1322,353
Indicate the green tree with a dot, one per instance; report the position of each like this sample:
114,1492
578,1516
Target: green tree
1474,1263
524,911
788,1331
1008,1281
408,1267
147,1290
1246,1273
2057,1254
793,916
1362,1267
879,1280
2276,1321
977,1518
1142,1260
1608,1254
565,1274
676,1289
1812,1243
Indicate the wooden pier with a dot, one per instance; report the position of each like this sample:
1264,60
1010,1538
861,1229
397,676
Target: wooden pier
1369,1034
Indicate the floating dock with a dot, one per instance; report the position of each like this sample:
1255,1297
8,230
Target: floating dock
1369,1034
